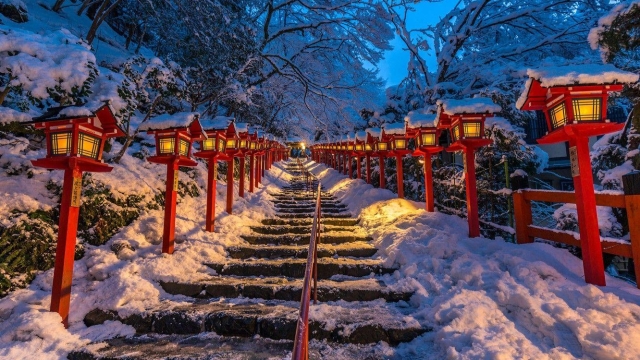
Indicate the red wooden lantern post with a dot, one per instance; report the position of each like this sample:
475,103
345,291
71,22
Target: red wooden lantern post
213,149
174,136
232,150
574,101
396,135
243,147
350,154
253,144
465,120
360,140
423,127
75,145
369,148
381,150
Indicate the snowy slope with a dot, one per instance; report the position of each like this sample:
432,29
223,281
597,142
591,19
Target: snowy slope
488,298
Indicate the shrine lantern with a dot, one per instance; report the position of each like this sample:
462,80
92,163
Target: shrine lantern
465,121
75,139
423,127
396,134
574,101
213,148
174,135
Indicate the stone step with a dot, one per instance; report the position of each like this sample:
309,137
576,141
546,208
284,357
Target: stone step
310,215
284,230
279,288
304,239
294,268
355,249
209,346
362,325
311,210
309,206
308,222
310,202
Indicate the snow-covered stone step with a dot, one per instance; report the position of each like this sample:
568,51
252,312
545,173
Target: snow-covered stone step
279,288
308,202
305,210
307,206
286,229
301,239
310,215
308,222
182,347
355,249
359,323
294,268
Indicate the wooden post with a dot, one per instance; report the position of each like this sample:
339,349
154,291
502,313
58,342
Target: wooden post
631,183
523,217
211,194
428,184
242,175
347,168
230,186
170,200
252,164
400,177
368,165
359,167
66,246
472,192
592,259
382,175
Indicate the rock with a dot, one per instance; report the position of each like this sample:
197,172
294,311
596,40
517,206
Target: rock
99,316
14,10
174,288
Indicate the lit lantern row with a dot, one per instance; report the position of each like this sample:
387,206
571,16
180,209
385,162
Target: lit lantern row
75,144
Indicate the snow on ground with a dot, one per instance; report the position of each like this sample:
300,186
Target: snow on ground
488,298
129,281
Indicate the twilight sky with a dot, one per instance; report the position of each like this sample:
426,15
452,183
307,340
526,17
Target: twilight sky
393,67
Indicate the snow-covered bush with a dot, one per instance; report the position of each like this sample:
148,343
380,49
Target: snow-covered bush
567,219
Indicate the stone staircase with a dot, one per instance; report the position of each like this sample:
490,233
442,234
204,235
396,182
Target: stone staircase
255,297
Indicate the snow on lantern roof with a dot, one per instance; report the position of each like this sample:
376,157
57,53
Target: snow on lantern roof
361,136
294,139
242,127
217,123
102,114
166,121
395,129
468,106
589,74
420,118
374,132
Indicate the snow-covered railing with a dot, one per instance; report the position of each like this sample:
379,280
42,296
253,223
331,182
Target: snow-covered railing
526,232
301,341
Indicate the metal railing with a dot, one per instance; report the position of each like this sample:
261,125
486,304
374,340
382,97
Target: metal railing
301,342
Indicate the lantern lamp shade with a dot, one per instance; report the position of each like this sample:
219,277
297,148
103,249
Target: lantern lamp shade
231,143
359,147
89,146
184,147
252,145
368,147
587,109
382,146
167,145
209,144
428,139
243,143
558,115
400,144
473,129
61,143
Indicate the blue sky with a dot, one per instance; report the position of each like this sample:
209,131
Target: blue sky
393,67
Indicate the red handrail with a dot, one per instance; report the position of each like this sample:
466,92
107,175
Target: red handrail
301,342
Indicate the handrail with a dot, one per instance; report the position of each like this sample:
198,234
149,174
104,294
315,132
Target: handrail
301,342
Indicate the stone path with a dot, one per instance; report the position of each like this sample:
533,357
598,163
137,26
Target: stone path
250,309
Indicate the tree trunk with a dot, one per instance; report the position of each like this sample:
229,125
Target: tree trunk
130,138
142,33
102,13
132,28
57,6
85,5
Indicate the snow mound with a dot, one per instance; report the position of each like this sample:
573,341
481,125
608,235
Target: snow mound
217,123
581,75
421,118
468,106
166,121
395,129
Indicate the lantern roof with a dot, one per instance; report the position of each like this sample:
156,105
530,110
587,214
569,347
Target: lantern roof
216,123
242,127
103,114
421,119
467,106
361,136
576,75
374,132
395,129
170,121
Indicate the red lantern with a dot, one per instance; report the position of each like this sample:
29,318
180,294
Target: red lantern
396,133
174,135
423,127
574,101
465,121
74,144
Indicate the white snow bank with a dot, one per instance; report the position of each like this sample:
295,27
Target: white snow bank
167,121
217,123
8,115
468,106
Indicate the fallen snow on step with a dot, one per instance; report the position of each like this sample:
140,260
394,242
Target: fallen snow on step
488,298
